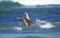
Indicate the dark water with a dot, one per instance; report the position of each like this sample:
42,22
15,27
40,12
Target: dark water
10,26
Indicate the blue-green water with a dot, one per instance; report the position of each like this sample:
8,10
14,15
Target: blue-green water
38,35
11,27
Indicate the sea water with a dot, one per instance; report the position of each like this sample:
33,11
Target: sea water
11,27
42,30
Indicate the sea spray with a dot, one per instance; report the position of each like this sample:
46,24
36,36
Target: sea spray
44,24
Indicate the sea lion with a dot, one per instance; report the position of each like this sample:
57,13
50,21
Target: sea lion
26,20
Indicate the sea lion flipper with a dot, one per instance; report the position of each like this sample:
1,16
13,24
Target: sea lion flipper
27,16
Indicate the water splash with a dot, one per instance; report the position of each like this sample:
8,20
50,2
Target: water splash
18,28
38,24
44,24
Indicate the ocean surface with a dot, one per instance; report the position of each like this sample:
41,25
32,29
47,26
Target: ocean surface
47,24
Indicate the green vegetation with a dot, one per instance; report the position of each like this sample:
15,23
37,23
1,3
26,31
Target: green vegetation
6,4
9,3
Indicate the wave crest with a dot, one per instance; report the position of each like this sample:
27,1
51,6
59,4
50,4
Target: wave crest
44,24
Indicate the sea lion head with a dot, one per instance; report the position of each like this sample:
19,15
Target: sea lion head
21,18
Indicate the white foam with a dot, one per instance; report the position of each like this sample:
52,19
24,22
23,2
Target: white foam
48,25
18,28
44,24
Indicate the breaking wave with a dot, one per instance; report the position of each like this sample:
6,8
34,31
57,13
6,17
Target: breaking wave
44,24
39,24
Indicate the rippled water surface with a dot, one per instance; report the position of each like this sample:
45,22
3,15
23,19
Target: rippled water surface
46,25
